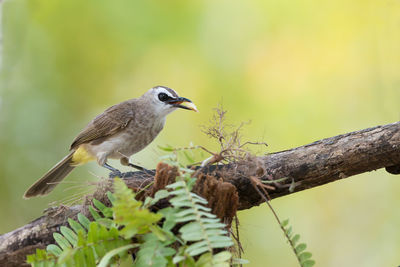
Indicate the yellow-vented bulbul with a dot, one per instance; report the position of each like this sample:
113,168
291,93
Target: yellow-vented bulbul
119,132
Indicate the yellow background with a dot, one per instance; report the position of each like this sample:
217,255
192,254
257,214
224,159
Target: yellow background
299,70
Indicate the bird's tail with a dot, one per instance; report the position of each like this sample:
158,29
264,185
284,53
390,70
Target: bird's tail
51,179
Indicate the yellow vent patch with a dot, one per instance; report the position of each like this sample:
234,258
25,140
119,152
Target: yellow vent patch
81,156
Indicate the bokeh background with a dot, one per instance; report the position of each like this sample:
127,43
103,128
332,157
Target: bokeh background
299,70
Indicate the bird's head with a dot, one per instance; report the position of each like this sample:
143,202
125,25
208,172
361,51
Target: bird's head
165,100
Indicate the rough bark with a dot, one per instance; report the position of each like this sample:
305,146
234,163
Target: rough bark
304,167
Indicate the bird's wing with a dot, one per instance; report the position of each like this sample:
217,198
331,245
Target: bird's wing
110,122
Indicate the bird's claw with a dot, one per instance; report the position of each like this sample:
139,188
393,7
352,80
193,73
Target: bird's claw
115,173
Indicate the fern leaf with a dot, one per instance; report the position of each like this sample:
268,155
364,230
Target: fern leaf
186,219
295,239
169,215
69,235
65,256
177,259
305,256
111,197
89,256
107,258
202,227
93,233
75,226
308,263
41,258
94,213
285,223
221,259
98,242
54,249
153,252
300,248
61,241
106,211
78,258
157,197
129,212
84,220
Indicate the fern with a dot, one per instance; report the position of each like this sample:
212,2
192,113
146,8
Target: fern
186,233
130,213
202,231
154,252
303,257
108,238
41,258
138,221
84,244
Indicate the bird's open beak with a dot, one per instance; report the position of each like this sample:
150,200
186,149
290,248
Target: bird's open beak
177,102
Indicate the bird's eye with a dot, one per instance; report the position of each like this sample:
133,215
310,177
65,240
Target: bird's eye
163,97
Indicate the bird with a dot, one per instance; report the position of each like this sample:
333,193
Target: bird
119,132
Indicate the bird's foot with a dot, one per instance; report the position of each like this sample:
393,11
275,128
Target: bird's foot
140,168
116,173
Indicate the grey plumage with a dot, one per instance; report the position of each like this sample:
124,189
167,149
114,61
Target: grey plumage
51,178
119,132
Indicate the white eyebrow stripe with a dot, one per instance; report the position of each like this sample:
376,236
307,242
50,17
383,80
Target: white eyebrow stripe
168,91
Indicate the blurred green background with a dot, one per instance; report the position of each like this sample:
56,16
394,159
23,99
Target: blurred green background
299,70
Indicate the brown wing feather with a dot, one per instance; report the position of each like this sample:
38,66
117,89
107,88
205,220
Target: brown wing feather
110,122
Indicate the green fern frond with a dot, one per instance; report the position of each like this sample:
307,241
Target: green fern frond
76,247
105,211
202,230
154,252
303,257
84,242
130,213
91,246
160,194
41,258
129,224
117,251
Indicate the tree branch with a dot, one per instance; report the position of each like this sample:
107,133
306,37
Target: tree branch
304,167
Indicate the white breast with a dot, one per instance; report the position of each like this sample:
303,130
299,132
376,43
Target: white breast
128,142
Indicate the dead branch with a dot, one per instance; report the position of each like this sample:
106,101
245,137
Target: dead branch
301,168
